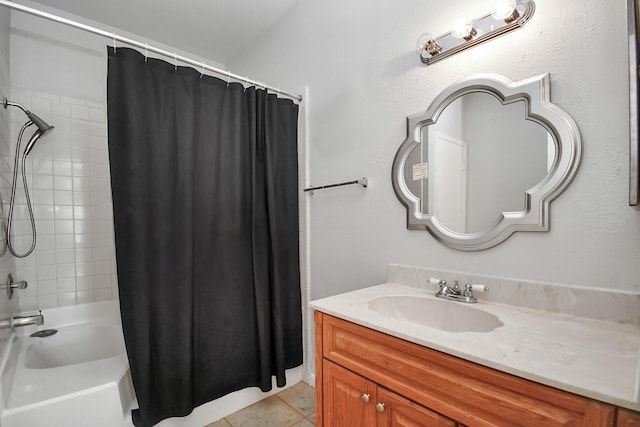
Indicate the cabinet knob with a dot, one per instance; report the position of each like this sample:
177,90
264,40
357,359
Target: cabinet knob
380,407
366,397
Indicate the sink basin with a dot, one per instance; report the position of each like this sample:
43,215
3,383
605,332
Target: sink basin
447,316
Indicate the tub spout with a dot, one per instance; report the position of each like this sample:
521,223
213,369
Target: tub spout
15,321
36,319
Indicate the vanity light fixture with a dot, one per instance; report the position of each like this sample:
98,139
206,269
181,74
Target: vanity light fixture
508,15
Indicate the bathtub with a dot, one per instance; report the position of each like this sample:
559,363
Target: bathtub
80,376
76,377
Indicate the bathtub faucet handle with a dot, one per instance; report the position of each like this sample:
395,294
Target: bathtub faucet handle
11,285
22,284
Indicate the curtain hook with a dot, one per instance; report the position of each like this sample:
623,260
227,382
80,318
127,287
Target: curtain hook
202,72
228,78
146,51
115,48
175,61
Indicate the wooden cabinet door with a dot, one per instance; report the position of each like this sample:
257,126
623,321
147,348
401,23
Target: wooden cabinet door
344,405
400,412
628,418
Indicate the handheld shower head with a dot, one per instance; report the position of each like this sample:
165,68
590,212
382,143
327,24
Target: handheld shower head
32,141
43,127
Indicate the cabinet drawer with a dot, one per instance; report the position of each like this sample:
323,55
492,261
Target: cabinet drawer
467,392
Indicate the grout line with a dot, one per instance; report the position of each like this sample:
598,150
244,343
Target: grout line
296,411
304,417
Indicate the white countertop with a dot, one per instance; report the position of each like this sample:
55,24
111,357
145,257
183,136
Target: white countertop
589,357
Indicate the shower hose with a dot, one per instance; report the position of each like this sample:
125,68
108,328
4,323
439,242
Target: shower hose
26,193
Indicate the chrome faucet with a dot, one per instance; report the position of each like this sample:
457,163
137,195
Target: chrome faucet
15,321
455,293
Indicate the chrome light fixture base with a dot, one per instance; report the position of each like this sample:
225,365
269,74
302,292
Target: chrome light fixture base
484,28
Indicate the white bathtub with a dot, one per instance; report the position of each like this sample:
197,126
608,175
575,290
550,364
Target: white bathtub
80,377
77,377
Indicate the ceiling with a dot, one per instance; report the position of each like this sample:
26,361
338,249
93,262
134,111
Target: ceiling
217,30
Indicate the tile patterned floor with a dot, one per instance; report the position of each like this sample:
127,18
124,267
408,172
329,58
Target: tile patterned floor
293,407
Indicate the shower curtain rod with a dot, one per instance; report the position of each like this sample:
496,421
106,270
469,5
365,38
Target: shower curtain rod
113,36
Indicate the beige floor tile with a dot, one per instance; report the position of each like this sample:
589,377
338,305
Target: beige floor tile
220,423
312,418
301,397
270,412
304,423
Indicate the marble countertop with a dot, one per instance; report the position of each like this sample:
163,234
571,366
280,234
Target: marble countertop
589,357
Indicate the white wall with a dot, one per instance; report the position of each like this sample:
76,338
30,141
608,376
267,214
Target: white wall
358,60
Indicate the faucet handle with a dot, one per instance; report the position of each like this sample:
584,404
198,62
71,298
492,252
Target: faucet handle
434,281
479,288
11,285
469,289
442,284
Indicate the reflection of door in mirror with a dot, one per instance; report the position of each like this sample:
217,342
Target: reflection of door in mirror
448,180
506,155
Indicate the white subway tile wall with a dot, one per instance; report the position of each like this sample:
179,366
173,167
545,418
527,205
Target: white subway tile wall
69,182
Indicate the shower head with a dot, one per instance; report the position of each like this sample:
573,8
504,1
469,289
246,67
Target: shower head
43,127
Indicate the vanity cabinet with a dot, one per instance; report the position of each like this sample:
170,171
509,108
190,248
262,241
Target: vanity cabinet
358,368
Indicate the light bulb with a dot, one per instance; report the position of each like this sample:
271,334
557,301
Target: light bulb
463,30
426,42
505,10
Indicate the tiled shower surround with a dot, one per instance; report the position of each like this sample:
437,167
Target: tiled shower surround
69,183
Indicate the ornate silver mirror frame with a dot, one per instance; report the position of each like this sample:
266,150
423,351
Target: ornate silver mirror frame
563,134
634,76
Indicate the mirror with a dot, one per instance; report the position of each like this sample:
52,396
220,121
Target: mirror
484,160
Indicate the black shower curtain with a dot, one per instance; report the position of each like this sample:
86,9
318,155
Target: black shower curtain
204,185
